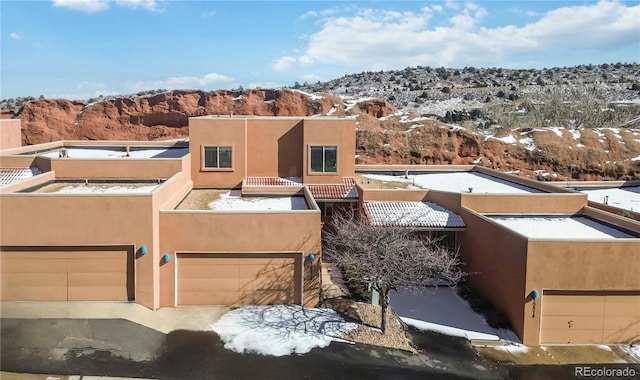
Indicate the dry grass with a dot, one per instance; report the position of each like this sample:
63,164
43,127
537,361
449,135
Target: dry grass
199,199
395,336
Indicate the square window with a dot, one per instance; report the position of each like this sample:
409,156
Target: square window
217,157
324,159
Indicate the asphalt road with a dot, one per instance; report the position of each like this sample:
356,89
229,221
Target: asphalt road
122,348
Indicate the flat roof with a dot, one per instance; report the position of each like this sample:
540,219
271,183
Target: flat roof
560,227
117,152
411,214
232,200
62,187
459,182
626,198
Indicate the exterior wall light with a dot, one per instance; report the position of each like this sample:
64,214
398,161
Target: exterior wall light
166,258
311,257
143,250
533,296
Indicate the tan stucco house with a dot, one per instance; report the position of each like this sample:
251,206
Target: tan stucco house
234,217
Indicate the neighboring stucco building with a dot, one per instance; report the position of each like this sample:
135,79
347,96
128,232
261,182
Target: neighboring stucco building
234,216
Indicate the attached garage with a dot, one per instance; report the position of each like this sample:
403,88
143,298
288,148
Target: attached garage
238,278
587,317
96,273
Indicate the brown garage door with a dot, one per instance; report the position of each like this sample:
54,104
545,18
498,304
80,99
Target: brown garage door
238,279
67,274
583,317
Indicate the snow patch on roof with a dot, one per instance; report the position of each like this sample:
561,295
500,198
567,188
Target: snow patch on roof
559,227
11,175
233,200
411,214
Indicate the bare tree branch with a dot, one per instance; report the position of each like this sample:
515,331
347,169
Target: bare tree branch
391,256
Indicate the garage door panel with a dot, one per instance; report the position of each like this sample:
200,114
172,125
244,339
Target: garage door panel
31,279
575,336
595,316
573,305
217,280
32,255
225,284
34,266
203,259
104,293
267,283
97,265
93,279
208,271
622,305
34,293
56,274
621,322
622,336
573,322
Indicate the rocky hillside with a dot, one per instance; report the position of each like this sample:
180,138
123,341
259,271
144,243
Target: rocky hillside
166,115
542,124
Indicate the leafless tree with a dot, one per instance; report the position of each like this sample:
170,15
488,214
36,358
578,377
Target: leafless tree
390,257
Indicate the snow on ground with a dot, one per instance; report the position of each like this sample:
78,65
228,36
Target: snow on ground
104,189
633,350
233,200
528,143
559,227
636,158
112,153
514,348
441,309
279,330
308,94
459,182
626,198
442,329
507,139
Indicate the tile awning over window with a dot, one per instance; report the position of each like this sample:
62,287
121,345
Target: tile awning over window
346,190
11,175
411,214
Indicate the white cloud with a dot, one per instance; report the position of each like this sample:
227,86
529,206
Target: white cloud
15,36
181,82
283,64
309,14
150,5
380,39
87,84
92,6
88,6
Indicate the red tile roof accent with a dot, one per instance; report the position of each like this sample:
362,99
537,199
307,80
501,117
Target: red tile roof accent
11,175
346,190
411,214
273,181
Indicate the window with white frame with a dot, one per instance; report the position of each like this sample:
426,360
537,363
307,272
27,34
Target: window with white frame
324,159
216,157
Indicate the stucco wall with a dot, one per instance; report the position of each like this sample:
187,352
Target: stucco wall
612,264
496,261
339,132
524,203
10,133
274,147
116,168
218,131
206,231
69,220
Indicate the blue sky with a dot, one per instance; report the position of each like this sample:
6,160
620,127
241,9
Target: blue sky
78,49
